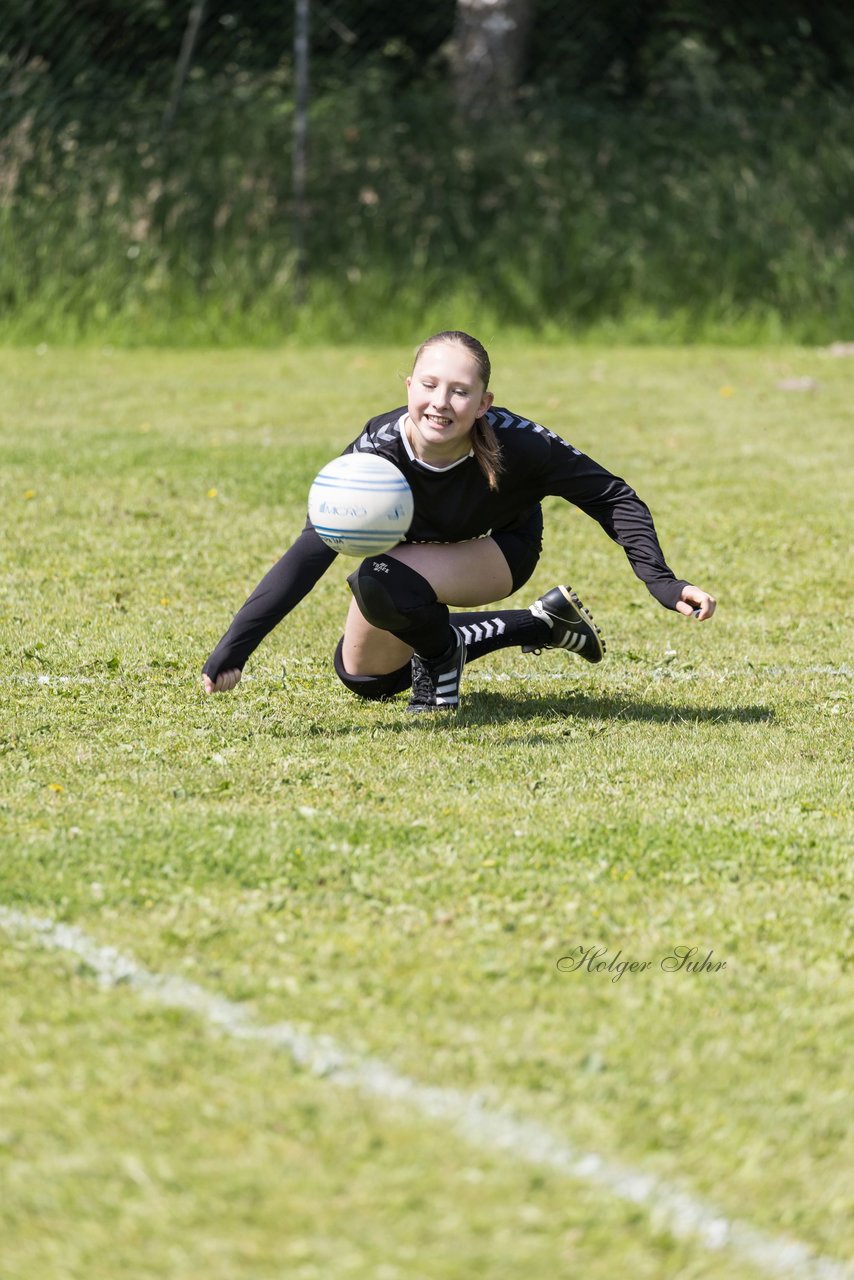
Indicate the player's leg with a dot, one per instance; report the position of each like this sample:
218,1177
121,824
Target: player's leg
400,609
558,620
377,665
468,573
401,601
461,573
371,662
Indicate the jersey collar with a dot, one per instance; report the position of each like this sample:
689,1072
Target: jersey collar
428,466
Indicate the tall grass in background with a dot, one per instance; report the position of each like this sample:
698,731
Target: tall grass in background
734,223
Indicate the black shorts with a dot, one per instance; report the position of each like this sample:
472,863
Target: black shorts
522,547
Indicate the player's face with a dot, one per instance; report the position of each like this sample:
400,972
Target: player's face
446,397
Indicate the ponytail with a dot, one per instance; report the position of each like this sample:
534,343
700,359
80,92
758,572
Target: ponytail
487,451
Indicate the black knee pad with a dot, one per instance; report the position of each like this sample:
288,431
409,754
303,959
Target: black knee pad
392,596
377,688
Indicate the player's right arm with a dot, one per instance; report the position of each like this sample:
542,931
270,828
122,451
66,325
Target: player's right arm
280,591
225,680
298,571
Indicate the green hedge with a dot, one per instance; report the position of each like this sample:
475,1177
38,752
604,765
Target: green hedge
732,222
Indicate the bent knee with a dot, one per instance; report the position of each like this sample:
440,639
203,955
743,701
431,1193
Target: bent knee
388,591
376,688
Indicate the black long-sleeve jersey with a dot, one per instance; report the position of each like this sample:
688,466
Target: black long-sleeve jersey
455,504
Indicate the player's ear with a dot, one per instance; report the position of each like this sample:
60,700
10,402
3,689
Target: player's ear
485,404
408,383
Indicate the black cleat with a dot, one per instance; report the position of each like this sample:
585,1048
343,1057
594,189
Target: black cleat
436,682
572,627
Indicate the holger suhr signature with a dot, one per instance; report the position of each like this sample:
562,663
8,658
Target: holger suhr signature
681,959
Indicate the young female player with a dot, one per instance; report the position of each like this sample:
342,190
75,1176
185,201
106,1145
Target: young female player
478,474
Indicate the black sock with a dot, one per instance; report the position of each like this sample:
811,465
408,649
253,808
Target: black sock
491,629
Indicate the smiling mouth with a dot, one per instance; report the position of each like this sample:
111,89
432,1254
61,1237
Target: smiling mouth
437,421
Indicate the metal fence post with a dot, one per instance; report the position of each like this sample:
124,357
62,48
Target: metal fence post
302,9
182,66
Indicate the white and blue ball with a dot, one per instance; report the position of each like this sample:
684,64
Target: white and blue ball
360,504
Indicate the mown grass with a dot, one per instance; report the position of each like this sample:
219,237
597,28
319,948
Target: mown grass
409,888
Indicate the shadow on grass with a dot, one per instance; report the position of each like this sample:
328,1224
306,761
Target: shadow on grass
488,708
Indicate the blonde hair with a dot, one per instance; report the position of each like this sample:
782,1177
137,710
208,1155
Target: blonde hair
487,451
484,441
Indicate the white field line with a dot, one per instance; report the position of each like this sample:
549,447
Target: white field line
667,1207
574,674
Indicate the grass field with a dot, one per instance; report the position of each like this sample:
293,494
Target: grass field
409,888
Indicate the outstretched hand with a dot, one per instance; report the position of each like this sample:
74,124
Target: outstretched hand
693,599
224,681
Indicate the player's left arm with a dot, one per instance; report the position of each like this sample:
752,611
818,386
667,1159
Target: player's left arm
613,503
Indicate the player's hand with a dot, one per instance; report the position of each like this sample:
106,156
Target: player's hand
697,603
224,681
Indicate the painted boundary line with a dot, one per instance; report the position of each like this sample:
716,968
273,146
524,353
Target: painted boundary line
575,674
667,1207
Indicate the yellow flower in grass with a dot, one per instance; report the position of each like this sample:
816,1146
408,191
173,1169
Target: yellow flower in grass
726,392
28,494
55,786
212,493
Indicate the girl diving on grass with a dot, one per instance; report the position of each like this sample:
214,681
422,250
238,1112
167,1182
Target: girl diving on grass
478,474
